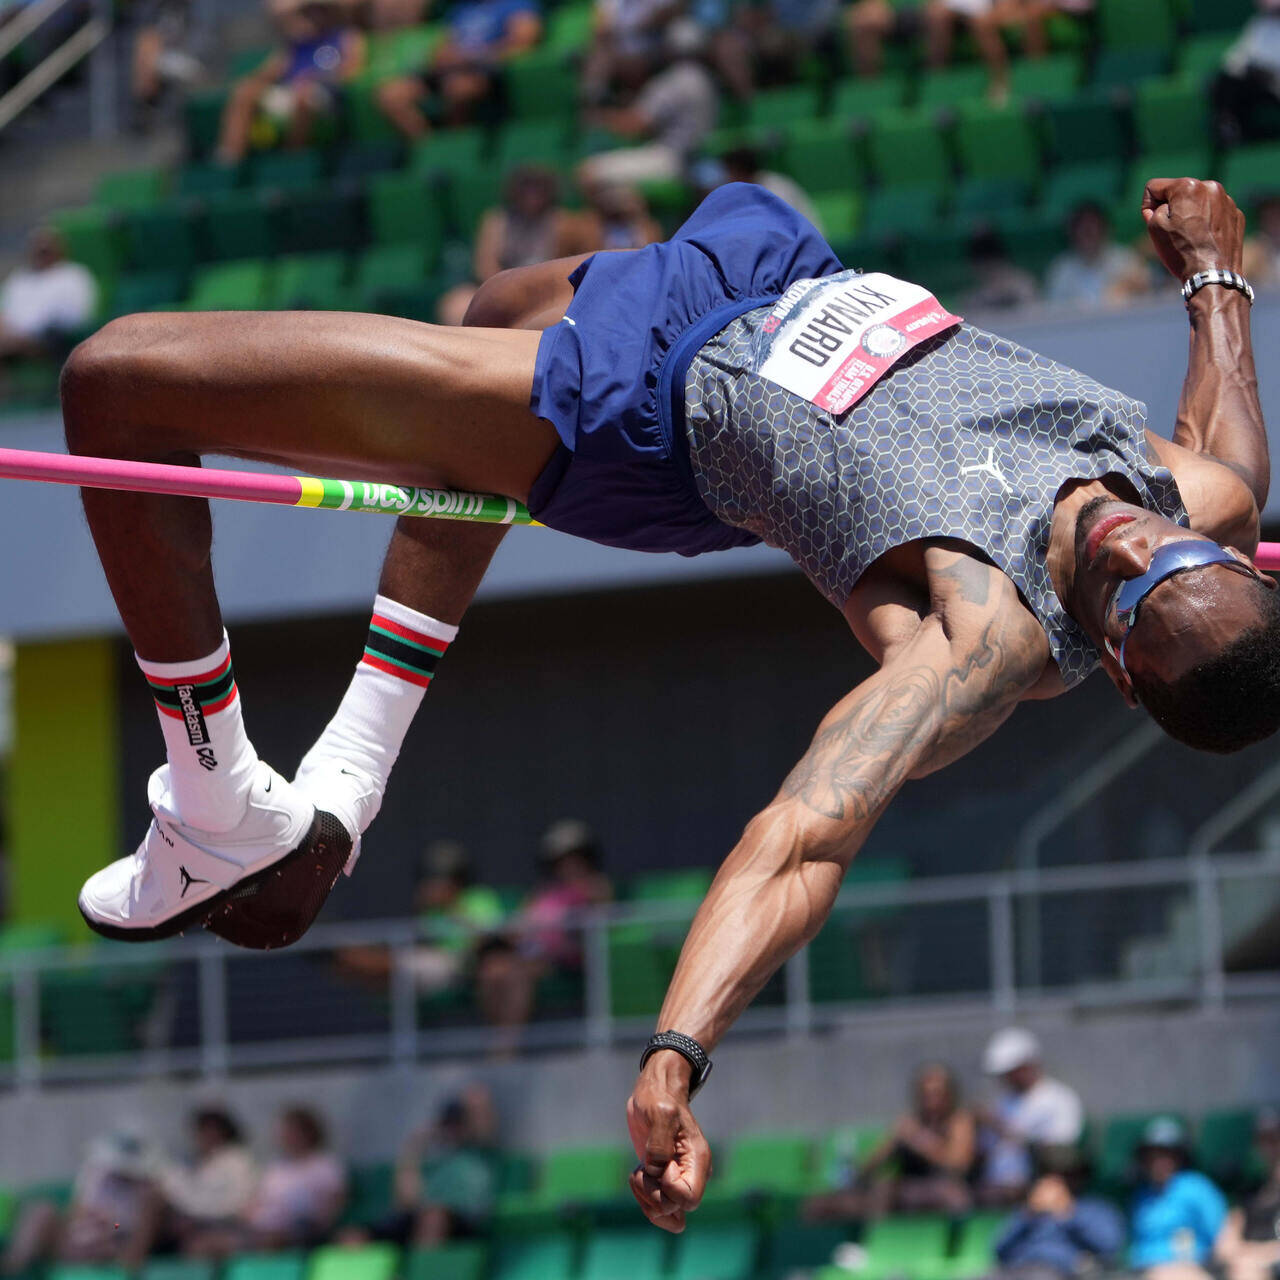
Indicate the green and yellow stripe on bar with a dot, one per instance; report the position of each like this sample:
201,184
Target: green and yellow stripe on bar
393,499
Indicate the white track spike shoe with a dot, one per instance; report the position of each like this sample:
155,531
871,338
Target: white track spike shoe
349,793
259,885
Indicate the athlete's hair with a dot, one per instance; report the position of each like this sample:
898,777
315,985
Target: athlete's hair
1231,700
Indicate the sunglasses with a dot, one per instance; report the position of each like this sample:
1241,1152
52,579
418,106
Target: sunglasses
1169,561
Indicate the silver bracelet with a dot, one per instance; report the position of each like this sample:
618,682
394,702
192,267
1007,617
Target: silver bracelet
1216,275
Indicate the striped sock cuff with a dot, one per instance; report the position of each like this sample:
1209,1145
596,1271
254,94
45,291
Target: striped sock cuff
206,692
405,644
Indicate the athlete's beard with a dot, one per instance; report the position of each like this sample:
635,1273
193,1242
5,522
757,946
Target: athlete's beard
1089,515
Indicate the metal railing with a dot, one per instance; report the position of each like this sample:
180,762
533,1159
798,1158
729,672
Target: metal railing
1195,931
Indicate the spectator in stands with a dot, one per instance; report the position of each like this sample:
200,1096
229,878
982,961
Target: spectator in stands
165,44
742,164
529,226
627,37
617,217
45,303
1096,271
1034,1116
769,42
1246,92
298,83
1262,249
1058,1234
872,22
298,1200
1248,1247
669,117
1177,1213
922,1164
465,69
446,1176
215,1189
112,1219
1002,284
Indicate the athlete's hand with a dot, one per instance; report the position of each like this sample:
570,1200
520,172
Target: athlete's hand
675,1160
1194,225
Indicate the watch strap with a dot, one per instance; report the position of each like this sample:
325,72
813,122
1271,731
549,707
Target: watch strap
688,1048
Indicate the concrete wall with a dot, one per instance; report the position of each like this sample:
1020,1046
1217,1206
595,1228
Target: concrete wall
1118,1061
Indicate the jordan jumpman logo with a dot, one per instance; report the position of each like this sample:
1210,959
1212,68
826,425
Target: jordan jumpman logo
988,468
188,880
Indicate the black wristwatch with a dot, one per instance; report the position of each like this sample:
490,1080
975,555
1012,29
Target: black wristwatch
688,1048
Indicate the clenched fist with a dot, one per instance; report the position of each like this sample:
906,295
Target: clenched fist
1194,225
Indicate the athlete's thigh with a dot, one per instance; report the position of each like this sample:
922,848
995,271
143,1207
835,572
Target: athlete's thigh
367,397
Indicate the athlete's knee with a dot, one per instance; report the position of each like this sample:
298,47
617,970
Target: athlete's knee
499,303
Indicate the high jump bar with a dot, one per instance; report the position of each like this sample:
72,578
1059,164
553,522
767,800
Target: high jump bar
299,491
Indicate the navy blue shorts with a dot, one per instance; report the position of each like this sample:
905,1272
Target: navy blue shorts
610,376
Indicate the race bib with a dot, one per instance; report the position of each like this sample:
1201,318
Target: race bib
832,340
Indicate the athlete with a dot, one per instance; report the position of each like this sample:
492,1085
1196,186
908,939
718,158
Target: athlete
992,525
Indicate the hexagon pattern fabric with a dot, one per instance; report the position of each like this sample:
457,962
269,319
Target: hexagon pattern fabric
971,437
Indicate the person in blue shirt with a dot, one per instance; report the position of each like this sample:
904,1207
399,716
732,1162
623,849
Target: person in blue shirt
1176,1213
1055,1235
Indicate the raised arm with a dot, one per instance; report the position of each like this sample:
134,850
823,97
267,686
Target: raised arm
1196,226
777,886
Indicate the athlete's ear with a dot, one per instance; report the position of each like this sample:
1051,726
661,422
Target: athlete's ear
1264,575
1119,678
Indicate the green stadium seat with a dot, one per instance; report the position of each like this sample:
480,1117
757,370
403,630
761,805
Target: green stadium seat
266,1266
202,114
905,211
569,28
837,213
1121,69
1201,56
395,280
146,291
1224,16
371,1190
230,286
324,218
911,1246
240,224
18,937
1135,24
778,1164
821,157
93,1012
537,1258
449,151
161,239
1170,113
1088,128
1049,79
716,1251
470,195
1073,185
1251,173
640,969
312,282
178,1269
517,1171
541,84
841,1153
949,86
780,108
980,198
403,208
344,1262
857,98
907,150
465,1260
1120,1137
584,1175
634,1254
86,1271
975,1253
1126,212
285,170
363,160
1224,1146
1034,238
799,1246
245,61
132,189
91,237
689,884
365,122
997,142
206,179
544,142
941,263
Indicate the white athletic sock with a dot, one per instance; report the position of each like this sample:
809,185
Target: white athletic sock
400,657
211,760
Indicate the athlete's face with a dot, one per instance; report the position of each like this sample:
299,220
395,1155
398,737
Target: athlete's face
1183,622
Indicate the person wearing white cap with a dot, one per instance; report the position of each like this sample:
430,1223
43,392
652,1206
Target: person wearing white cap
1033,1113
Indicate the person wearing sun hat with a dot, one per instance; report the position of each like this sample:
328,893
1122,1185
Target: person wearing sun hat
1177,1212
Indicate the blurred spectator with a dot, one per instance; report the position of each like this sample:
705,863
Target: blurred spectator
530,226
296,84
165,54
872,22
1057,1235
46,303
627,37
216,1187
1034,1116
1248,1247
617,217
921,1165
112,1218
771,42
669,117
742,164
1177,1213
465,69
298,1200
1096,271
1246,93
1262,249
1002,284
446,1176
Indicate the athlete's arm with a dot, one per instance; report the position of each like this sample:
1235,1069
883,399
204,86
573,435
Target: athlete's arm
1196,226
778,885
